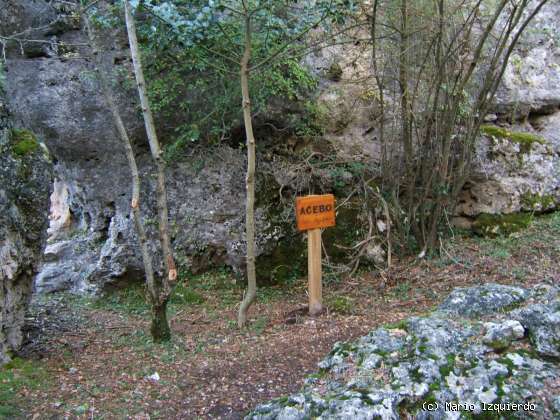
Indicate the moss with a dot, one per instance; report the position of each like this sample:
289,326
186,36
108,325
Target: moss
448,367
506,361
435,386
399,325
24,142
16,376
501,224
343,349
536,201
416,375
524,140
334,72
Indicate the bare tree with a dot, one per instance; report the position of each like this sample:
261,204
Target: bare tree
450,58
161,288
250,176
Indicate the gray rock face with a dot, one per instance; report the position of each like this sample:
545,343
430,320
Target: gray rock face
25,183
531,82
92,243
508,177
54,92
441,366
483,300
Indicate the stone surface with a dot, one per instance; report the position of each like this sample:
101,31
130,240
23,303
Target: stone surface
509,177
531,83
25,183
440,366
92,242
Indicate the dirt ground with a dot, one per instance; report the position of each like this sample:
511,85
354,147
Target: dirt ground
98,361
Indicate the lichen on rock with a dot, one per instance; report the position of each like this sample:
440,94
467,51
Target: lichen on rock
448,359
25,184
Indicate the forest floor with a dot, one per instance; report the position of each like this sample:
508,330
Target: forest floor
94,359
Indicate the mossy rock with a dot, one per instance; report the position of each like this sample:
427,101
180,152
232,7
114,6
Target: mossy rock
524,140
538,202
24,142
334,72
501,224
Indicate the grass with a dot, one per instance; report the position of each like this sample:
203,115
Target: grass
208,290
495,225
545,229
402,290
15,377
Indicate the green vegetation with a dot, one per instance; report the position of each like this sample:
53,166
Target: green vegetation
340,304
524,140
537,202
334,72
399,325
24,141
448,367
132,300
16,376
501,224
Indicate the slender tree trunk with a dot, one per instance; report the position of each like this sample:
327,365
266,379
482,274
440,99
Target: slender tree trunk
249,181
160,326
163,287
125,140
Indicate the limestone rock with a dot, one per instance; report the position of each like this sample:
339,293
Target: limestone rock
500,336
25,183
436,361
483,300
517,174
531,82
92,239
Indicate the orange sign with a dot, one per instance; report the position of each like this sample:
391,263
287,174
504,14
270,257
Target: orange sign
315,211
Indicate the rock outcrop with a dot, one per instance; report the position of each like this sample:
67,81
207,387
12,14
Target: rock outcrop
25,184
53,91
490,350
508,176
513,176
92,244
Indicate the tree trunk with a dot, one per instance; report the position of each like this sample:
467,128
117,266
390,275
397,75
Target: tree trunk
160,326
125,140
162,290
249,181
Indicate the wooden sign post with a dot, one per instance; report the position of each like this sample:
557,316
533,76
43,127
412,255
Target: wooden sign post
314,212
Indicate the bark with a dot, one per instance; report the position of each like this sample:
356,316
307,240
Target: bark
160,326
127,145
251,293
163,286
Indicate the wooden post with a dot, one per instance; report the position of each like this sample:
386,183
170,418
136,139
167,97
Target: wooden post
314,271
314,212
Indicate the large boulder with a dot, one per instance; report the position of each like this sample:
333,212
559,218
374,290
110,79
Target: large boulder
25,184
487,351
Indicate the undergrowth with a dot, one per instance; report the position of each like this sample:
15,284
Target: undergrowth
17,376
